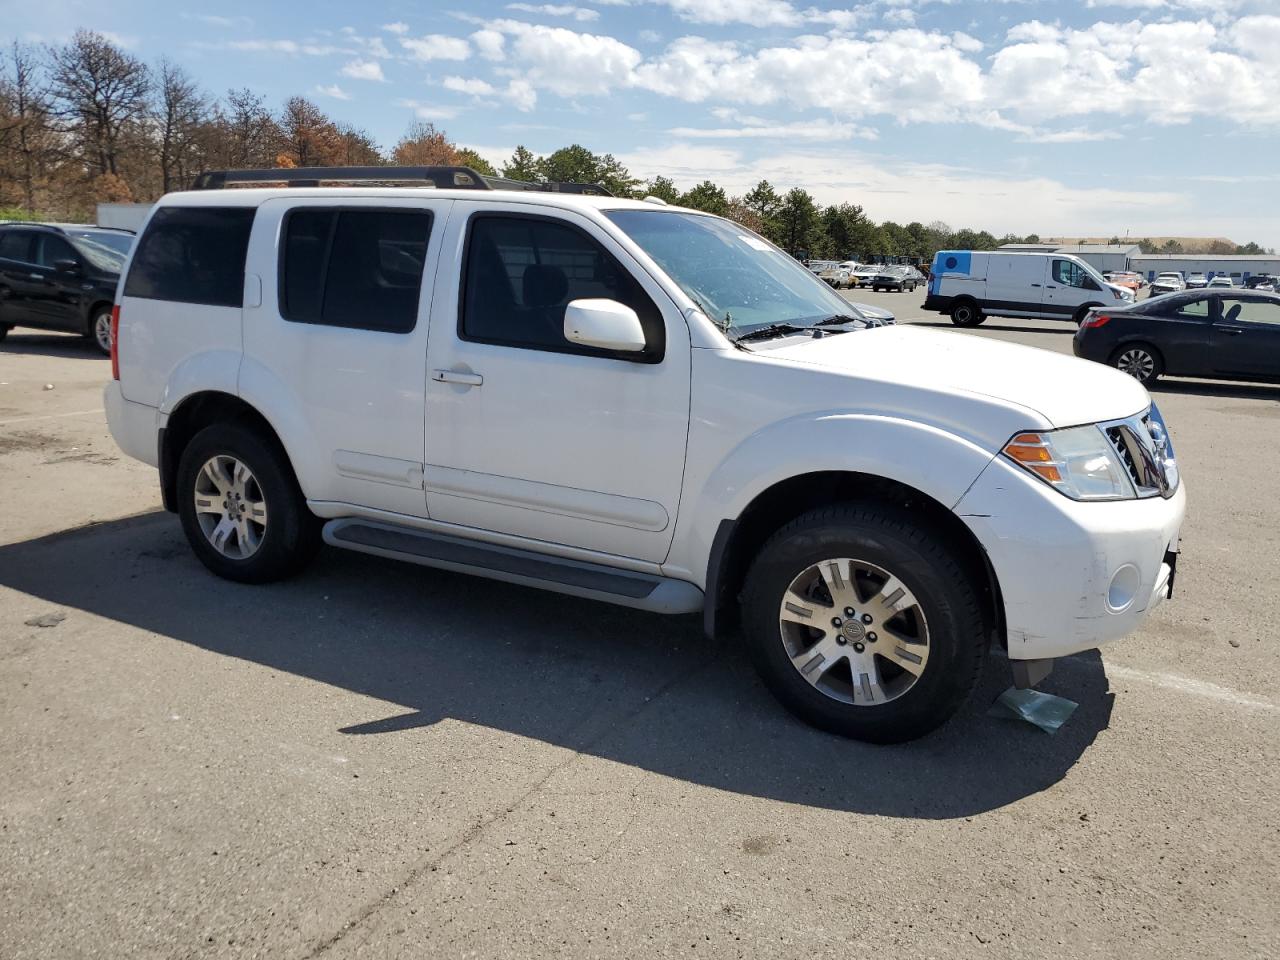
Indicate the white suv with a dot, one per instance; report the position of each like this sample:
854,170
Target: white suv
643,405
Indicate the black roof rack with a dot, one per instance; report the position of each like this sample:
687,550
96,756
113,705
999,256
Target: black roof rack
441,177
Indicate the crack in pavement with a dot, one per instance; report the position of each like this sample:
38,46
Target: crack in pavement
478,829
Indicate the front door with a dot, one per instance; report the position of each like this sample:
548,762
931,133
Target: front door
1246,337
528,434
1067,287
56,297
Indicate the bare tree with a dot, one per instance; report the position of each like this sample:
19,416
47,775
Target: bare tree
181,111
357,147
25,137
310,137
250,136
101,94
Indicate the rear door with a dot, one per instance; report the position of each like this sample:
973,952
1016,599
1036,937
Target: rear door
1015,285
336,343
1246,337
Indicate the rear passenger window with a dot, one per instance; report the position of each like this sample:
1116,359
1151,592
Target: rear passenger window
15,245
192,255
354,268
521,274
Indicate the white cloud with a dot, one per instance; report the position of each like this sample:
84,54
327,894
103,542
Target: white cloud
469,85
821,130
332,90
556,10
398,28
436,46
364,70
429,111
760,13
490,43
521,95
569,63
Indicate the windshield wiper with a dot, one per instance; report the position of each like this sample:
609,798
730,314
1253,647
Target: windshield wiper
769,330
836,320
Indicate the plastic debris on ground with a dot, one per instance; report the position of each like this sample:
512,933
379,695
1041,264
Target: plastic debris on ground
1036,707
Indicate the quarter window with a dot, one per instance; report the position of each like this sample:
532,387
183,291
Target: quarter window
354,268
192,255
522,272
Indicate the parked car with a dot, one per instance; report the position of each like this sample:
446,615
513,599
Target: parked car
1124,278
1197,281
1221,281
638,404
897,278
816,267
1260,282
1228,336
1167,283
971,285
835,276
60,277
865,275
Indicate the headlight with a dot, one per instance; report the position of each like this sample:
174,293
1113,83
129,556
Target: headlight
1079,462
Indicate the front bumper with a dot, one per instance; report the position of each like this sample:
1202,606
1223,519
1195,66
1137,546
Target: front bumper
1072,575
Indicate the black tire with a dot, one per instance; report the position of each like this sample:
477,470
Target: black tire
291,537
1122,359
965,313
91,331
4,330
925,563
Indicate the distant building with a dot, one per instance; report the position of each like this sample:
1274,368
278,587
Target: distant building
1129,256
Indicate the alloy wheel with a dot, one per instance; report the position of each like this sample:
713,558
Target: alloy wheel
102,331
230,507
854,631
1137,363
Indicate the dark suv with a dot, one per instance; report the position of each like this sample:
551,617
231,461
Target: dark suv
60,277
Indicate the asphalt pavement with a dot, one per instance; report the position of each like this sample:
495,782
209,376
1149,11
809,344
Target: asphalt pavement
380,760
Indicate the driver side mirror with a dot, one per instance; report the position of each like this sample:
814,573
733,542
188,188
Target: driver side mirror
69,267
604,324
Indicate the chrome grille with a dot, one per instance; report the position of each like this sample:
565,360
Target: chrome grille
1143,447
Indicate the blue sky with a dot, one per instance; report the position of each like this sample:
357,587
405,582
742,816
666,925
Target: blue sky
1144,117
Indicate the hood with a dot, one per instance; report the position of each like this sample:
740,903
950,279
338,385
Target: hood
870,310
1064,390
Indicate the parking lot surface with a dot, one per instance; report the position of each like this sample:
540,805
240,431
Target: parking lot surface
380,760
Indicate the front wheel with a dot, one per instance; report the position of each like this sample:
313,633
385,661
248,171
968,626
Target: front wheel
864,623
4,330
241,508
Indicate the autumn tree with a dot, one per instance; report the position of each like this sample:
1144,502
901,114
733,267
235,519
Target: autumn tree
101,95
308,136
27,145
424,145
356,147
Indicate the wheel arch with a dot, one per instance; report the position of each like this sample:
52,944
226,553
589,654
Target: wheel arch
189,417
738,540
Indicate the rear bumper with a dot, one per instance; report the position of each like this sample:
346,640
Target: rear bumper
133,425
1073,575
938,304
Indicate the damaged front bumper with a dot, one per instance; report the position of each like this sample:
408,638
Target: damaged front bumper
1073,575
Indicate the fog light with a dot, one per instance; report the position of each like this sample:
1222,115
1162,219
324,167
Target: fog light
1124,587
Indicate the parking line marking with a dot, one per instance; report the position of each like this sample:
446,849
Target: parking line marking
1197,688
51,416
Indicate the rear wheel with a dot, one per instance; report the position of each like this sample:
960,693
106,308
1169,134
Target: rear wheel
1139,361
966,314
4,330
100,329
864,623
241,508
1083,312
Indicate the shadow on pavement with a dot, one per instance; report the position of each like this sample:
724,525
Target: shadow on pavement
67,346
1218,388
1068,329
635,688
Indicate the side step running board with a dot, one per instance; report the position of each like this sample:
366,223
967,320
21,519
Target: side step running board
574,577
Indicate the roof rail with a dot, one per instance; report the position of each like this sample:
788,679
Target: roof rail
441,177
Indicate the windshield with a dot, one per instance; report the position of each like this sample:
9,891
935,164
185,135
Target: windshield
119,242
738,279
101,256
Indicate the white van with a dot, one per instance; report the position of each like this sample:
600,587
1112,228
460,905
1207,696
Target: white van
971,285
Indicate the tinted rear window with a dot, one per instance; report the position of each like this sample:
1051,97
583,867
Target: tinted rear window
15,245
354,268
192,255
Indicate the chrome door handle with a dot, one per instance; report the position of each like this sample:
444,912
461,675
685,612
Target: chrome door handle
35,276
1232,331
457,376
1035,284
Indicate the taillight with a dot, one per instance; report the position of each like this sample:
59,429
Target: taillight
1096,320
115,342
